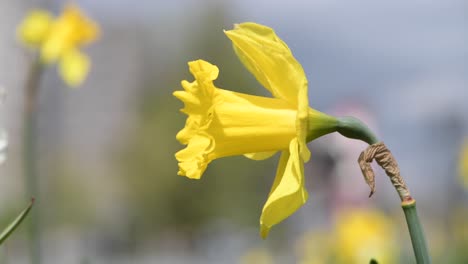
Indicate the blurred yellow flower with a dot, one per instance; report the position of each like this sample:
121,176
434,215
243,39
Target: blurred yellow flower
459,226
315,247
256,256
361,235
463,164
223,123
59,40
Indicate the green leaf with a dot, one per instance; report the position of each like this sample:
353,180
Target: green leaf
10,228
373,261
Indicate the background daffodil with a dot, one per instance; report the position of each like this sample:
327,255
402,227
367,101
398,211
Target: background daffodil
463,164
59,39
223,123
363,234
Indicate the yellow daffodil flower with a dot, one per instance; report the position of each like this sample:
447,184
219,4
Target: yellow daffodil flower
59,40
363,234
257,256
315,247
224,123
463,164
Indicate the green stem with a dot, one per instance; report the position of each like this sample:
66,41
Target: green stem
354,128
416,232
30,156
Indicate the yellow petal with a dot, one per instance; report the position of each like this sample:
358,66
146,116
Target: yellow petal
260,155
287,193
302,122
69,31
191,163
52,49
269,59
198,97
84,29
35,27
74,67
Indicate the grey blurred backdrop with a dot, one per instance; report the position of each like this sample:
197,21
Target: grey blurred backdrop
109,187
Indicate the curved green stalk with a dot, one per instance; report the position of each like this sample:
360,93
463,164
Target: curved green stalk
13,225
354,128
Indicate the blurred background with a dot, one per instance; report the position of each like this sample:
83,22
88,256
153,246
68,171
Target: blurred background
109,190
